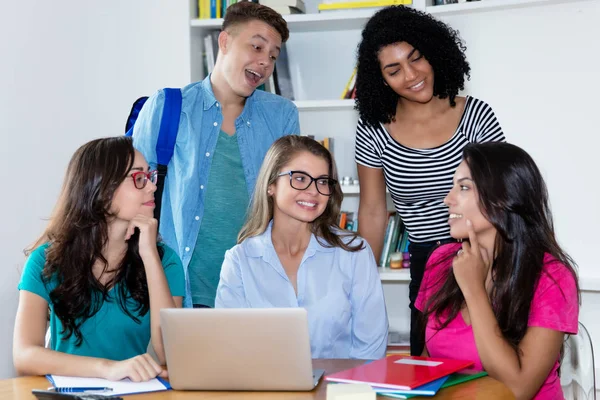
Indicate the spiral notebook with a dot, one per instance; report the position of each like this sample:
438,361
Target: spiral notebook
122,387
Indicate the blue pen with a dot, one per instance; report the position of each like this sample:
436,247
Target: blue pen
80,389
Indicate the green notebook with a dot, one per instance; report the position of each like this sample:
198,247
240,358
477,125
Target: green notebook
459,377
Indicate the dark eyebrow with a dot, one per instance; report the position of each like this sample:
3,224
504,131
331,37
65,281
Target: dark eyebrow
261,37
391,65
139,169
407,57
464,179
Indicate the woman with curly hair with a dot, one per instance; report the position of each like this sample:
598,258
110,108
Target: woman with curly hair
98,273
291,253
411,131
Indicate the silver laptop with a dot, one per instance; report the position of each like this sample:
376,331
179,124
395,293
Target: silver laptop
238,349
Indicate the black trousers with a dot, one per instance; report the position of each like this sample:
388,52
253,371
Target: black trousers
419,253
201,306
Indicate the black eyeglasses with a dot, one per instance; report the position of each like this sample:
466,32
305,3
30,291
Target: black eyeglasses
300,180
140,178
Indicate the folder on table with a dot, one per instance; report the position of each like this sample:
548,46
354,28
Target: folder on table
400,372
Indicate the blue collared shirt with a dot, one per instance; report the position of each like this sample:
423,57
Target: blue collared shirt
265,118
340,290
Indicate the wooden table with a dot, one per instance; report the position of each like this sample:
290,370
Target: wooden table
482,388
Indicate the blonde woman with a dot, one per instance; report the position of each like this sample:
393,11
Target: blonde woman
291,253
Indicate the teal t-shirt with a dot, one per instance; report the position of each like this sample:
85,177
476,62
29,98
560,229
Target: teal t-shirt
225,207
110,333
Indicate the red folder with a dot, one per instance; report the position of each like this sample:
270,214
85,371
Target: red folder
400,372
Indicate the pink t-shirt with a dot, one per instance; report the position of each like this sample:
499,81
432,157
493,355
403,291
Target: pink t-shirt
550,308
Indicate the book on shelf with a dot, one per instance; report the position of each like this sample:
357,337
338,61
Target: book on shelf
350,88
211,50
207,9
332,5
326,142
286,10
395,239
285,6
442,2
348,220
282,76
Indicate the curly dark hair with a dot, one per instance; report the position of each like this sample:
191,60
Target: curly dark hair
441,46
78,232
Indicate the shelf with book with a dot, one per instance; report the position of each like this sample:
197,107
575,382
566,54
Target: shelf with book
394,275
356,18
487,5
312,22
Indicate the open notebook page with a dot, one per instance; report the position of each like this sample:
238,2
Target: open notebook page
118,387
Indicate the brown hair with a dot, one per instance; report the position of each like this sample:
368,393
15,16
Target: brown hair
78,233
325,227
246,11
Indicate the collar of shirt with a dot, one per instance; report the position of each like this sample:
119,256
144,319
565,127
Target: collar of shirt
210,100
262,246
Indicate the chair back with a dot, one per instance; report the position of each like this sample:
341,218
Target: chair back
577,376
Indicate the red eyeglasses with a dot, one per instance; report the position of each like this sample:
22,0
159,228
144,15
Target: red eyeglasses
140,178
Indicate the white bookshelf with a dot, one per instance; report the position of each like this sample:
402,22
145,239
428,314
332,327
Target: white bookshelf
488,5
355,19
394,275
350,189
324,105
322,51
313,22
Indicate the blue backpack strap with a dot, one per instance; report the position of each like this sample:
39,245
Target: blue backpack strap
169,125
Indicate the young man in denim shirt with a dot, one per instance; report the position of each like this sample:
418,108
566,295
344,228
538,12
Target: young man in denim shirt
226,127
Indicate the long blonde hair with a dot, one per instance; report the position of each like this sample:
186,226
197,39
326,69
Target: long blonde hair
325,227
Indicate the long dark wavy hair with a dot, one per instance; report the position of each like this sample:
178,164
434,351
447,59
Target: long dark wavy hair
514,199
441,46
325,227
78,233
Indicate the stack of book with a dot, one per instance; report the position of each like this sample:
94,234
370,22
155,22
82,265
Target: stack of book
395,239
337,5
403,377
213,8
207,9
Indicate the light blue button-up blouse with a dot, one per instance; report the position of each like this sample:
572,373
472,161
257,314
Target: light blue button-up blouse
340,290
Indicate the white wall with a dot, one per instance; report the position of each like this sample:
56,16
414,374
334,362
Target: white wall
69,72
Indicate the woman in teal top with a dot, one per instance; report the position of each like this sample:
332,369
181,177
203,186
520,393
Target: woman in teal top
98,274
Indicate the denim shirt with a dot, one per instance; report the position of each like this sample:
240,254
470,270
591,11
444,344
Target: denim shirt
341,291
265,118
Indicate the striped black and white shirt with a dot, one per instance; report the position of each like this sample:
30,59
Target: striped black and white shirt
419,179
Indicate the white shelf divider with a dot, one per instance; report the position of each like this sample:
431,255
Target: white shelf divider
394,275
324,105
350,189
354,189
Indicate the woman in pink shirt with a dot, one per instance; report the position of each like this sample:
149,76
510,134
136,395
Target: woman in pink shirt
506,297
